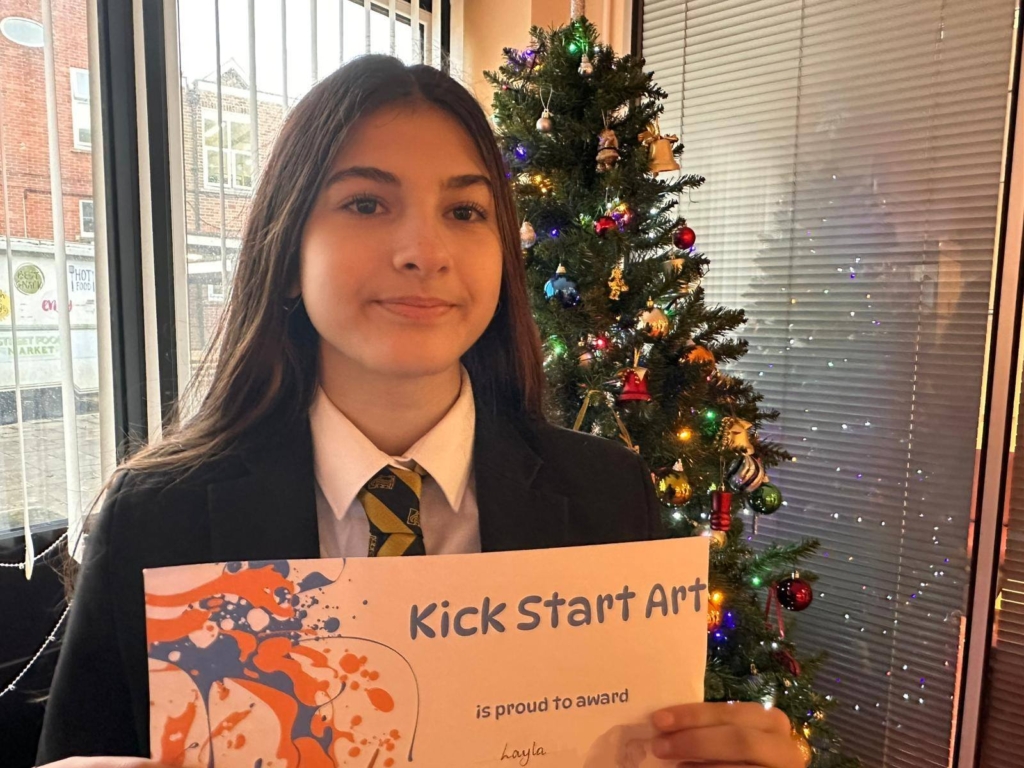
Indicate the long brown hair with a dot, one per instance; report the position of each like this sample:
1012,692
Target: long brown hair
260,369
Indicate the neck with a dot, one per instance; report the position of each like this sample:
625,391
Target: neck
393,411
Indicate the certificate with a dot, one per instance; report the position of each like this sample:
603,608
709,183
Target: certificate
549,658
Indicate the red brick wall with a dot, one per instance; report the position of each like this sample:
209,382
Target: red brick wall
23,87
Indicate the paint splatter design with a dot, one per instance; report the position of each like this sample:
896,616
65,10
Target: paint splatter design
242,675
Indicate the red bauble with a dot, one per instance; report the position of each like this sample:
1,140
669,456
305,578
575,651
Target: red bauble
721,510
794,594
604,224
684,238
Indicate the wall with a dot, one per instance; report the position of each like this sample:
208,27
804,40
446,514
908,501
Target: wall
490,25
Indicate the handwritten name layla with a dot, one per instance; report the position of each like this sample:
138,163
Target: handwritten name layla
523,755
579,611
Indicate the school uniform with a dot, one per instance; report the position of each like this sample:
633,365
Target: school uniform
490,484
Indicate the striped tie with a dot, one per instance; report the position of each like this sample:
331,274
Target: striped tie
391,500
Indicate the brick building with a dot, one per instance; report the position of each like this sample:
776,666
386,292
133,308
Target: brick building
27,212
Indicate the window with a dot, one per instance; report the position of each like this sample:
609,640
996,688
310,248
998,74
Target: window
237,157
254,106
81,120
87,219
22,31
853,212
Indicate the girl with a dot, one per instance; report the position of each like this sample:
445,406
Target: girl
379,325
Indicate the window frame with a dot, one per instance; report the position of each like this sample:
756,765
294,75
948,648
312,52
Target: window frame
76,114
230,153
82,231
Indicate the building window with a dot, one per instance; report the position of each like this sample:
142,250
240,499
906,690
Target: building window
81,120
87,218
22,31
237,151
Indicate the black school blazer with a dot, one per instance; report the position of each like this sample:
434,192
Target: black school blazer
536,488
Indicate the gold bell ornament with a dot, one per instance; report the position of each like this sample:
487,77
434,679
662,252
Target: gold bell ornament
660,148
607,149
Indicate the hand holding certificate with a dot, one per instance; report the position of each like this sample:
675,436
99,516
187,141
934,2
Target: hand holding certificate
547,657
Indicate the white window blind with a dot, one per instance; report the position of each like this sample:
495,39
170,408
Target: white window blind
853,153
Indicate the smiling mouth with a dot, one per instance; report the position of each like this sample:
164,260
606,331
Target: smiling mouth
416,312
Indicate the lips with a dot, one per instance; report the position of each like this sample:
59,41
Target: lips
418,301
417,308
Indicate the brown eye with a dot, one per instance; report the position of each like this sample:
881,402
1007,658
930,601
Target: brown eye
365,205
467,212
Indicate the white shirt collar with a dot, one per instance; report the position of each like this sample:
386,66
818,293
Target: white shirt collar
344,459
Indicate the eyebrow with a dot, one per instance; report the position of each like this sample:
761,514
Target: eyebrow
385,177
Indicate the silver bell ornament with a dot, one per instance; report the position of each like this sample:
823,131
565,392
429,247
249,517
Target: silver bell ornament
544,122
527,235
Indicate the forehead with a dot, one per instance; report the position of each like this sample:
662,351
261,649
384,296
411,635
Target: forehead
410,136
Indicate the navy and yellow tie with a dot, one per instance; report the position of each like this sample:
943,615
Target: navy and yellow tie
391,499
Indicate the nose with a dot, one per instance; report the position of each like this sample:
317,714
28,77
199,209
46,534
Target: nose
420,246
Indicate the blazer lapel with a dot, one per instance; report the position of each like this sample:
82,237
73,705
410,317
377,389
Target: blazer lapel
514,513
269,512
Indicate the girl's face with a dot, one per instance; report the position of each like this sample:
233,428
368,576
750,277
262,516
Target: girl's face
401,259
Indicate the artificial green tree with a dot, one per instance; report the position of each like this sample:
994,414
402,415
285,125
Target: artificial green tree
634,353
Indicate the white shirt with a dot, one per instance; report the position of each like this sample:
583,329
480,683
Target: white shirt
344,459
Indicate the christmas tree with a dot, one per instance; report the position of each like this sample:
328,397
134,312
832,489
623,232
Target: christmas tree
633,352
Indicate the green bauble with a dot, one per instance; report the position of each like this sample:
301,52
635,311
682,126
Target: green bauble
766,499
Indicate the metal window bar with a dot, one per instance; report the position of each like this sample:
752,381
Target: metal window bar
254,117
104,333
146,224
176,165
312,40
391,25
72,476
284,54
366,23
220,155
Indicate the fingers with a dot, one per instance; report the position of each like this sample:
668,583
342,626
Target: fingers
730,745
707,715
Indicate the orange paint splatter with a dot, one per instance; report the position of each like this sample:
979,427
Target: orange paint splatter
311,754
346,735
250,673
374,675
257,585
274,655
240,741
285,709
389,762
354,752
356,720
395,734
380,699
229,722
352,663
166,630
172,740
222,690
246,642
355,685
